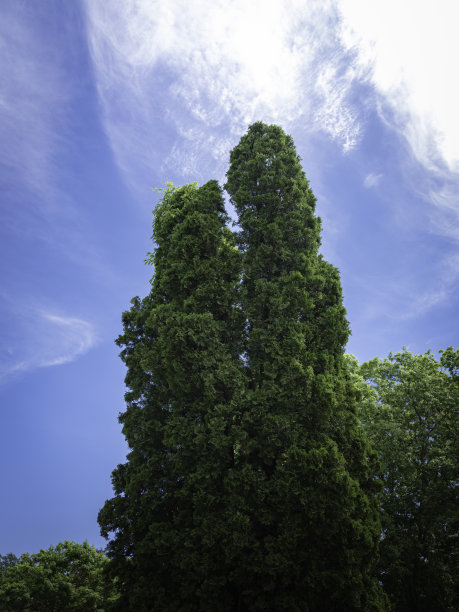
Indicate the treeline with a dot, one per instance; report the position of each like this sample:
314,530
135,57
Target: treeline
410,413
408,408
68,576
268,470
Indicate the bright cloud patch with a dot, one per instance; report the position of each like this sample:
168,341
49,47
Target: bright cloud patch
179,82
283,61
207,70
409,51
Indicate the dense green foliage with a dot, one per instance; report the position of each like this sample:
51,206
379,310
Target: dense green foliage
249,484
312,509
68,576
411,415
174,514
267,470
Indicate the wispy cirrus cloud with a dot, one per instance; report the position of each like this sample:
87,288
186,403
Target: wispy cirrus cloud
202,72
408,51
34,91
39,218
72,337
445,216
372,180
179,82
38,338
38,85
198,70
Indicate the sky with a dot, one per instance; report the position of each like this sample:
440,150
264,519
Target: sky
101,102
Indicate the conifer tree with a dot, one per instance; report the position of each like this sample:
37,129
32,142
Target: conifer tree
249,485
312,510
181,347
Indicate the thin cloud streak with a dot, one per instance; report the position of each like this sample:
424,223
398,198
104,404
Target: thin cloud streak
445,219
38,87
43,339
39,82
372,180
34,92
74,338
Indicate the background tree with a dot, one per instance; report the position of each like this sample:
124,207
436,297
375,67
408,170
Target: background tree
171,516
68,576
308,509
411,414
7,561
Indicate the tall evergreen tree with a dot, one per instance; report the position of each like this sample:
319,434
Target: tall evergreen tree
312,506
181,347
249,485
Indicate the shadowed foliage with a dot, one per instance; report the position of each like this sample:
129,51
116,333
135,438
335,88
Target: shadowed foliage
411,415
249,484
69,576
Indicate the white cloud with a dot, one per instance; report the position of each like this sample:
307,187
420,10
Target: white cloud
181,79
38,81
372,180
71,337
445,217
286,61
400,299
197,69
409,51
40,338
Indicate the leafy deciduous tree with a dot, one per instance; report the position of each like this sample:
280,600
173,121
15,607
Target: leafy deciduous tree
411,415
68,576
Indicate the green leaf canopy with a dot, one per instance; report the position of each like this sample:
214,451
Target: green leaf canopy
413,422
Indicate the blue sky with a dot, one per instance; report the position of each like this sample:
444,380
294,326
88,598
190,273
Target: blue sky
102,101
